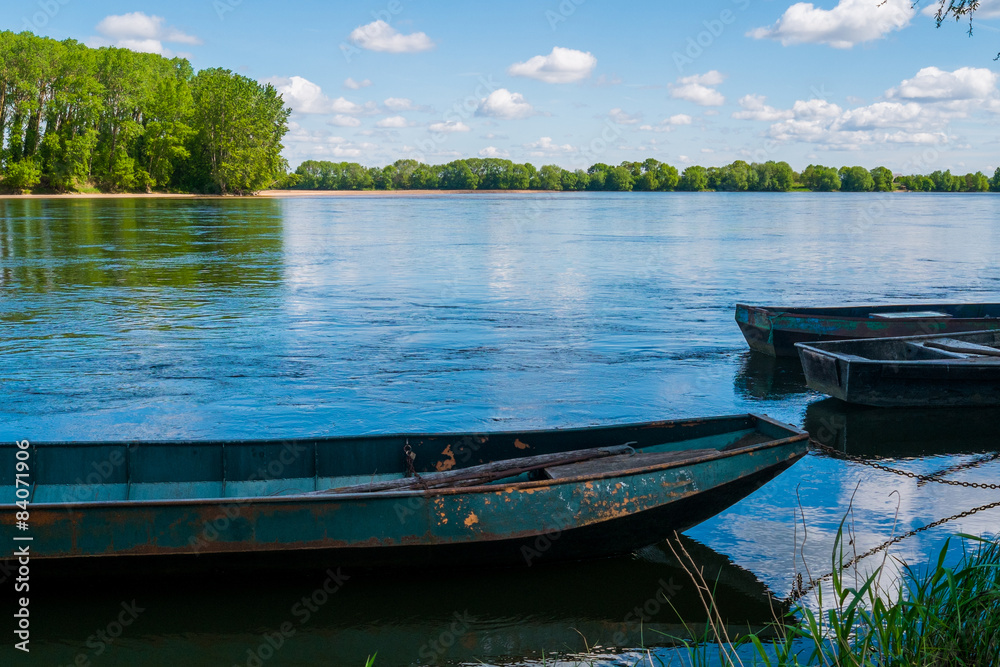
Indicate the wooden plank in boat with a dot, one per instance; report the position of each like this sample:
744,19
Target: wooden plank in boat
624,463
962,347
911,315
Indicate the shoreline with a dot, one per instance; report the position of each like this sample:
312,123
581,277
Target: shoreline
274,194
293,194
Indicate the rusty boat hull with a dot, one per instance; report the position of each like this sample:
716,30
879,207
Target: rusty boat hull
774,330
950,370
255,504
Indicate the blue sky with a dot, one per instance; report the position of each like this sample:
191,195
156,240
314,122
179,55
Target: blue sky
573,82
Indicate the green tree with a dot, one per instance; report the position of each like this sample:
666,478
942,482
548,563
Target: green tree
995,181
458,175
977,182
666,176
737,177
240,124
694,179
821,179
856,179
550,177
882,179
944,181
619,179
774,176
22,176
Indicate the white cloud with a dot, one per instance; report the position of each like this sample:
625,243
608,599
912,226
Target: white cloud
356,85
699,88
502,103
340,120
304,96
493,151
668,124
931,83
827,124
560,66
545,146
141,32
850,22
393,122
399,104
618,116
450,126
380,36
321,144
881,114
754,108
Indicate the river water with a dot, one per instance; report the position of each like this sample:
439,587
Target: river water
196,319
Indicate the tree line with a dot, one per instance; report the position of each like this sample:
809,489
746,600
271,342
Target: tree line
647,176
75,118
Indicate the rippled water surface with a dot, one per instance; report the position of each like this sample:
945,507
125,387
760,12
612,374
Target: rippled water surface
198,319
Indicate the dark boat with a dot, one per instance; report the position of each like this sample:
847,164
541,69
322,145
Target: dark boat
388,500
950,370
776,330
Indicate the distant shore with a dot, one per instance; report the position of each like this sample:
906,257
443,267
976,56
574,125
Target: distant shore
277,194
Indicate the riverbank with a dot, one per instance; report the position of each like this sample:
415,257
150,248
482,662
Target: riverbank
277,194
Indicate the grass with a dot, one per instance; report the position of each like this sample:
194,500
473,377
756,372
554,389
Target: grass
939,616
936,617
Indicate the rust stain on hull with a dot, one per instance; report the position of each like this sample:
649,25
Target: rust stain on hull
448,463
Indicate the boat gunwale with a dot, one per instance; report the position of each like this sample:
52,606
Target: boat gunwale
662,423
314,496
820,347
798,311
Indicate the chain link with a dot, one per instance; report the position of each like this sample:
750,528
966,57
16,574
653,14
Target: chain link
799,590
878,466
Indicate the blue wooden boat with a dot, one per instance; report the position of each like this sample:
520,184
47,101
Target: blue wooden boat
775,330
960,369
389,500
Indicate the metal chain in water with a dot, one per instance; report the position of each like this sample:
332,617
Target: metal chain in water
799,590
878,466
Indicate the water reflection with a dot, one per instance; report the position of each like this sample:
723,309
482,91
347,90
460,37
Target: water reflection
435,617
902,432
764,377
138,243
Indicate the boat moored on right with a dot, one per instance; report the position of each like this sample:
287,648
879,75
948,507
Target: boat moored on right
954,369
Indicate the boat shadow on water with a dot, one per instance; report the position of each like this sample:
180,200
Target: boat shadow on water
764,377
902,432
437,616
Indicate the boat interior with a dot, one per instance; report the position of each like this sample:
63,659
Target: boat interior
83,472
969,347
